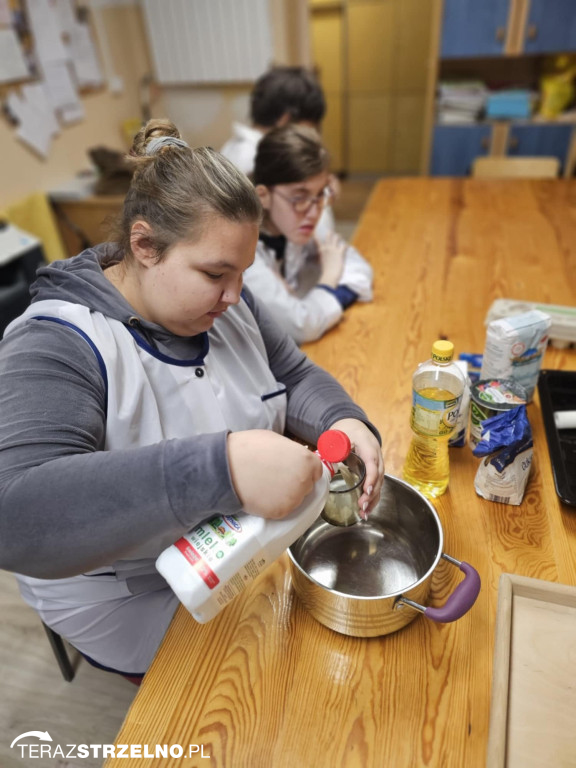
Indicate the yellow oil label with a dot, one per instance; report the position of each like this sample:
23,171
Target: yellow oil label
434,411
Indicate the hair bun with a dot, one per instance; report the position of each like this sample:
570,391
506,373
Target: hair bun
156,144
154,129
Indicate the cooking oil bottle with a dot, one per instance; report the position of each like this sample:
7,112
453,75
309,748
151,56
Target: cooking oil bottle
437,387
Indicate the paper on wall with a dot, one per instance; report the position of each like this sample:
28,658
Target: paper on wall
36,137
12,62
59,85
66,15
32,130
79,46
35,94
73,113
83,57
47,32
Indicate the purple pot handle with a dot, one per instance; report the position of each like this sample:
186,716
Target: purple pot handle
463,597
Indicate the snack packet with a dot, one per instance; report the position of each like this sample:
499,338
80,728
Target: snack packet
557,85
507,445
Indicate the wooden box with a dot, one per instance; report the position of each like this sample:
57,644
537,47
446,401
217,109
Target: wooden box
533,710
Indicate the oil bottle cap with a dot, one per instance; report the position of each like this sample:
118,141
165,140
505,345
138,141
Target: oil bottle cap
334,445
442,351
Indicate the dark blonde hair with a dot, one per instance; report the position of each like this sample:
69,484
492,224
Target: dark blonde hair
176,189
289,154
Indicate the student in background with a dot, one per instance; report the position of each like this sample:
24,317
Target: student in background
281,96
139,395
305,282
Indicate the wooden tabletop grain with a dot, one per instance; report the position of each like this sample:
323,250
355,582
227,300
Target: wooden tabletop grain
264,685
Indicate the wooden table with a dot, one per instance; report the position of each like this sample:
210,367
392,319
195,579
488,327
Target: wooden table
264,685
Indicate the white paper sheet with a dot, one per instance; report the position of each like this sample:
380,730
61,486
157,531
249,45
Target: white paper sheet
83,57
60,87
73,113
47,32
13,65
35,94
66,15
32,130
36,138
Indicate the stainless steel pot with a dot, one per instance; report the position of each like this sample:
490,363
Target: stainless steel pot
372,578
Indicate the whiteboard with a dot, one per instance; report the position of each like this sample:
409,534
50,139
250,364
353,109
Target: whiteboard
207,41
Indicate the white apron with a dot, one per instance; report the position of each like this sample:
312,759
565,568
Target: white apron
117,615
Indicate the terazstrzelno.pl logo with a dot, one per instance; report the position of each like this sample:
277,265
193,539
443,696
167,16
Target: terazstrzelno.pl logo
39,748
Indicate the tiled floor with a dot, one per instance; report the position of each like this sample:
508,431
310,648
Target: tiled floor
353,195
349,204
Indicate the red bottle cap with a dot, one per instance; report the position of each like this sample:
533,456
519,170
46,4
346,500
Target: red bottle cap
334,445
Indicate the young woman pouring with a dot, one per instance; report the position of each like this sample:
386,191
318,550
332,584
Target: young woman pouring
143,391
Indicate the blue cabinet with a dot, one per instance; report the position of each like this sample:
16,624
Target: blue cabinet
540,140
474,28
551,26
505,30
480,27
455,147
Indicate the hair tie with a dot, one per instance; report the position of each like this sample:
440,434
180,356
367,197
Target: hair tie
155,144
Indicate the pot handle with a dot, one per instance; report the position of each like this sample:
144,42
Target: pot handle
459,602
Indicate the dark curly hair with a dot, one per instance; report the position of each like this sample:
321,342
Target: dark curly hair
287,89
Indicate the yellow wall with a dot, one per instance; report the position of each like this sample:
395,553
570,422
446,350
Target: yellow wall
373,59
23,172
327,24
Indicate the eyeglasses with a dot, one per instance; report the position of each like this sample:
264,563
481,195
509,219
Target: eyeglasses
303,203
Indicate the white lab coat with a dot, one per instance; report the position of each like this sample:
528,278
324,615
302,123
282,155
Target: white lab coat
302,309
241,147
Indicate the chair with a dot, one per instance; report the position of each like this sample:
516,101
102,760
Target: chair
65,664
60,652
516,167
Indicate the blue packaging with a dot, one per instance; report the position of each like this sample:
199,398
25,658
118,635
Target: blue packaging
507,445
474,365
509,104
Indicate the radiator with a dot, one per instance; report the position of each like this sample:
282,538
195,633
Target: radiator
208,41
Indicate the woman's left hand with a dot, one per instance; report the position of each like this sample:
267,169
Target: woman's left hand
365,444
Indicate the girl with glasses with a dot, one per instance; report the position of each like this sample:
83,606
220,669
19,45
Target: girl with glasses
305,280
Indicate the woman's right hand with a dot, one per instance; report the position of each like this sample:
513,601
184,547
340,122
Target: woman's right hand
270,473
331,253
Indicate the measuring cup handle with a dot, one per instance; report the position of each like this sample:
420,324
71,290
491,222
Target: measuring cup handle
461,600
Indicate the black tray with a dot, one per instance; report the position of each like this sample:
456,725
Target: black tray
558,393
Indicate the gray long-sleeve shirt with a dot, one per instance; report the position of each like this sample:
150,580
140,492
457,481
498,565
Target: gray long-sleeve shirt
66,504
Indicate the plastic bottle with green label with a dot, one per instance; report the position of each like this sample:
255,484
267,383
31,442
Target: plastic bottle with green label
217,559
437,387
